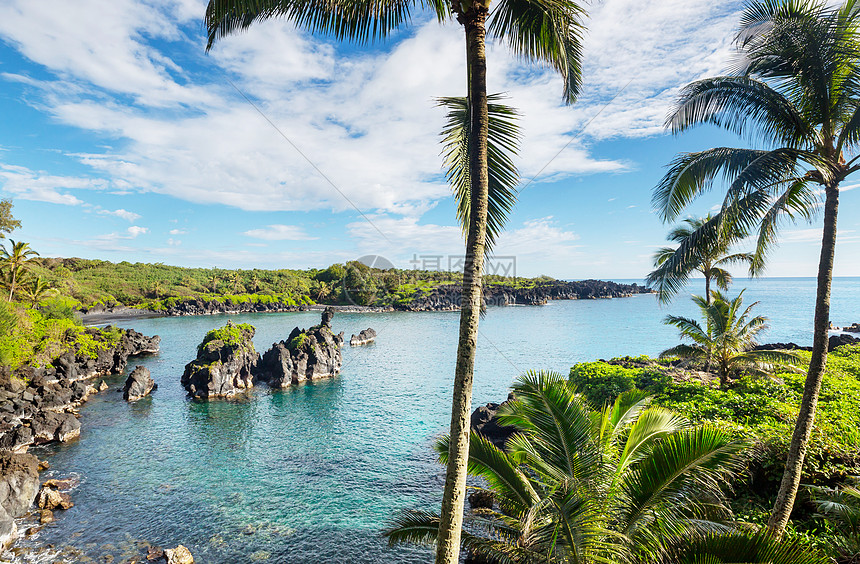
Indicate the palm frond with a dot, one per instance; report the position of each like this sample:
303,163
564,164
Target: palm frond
740,547
503,143
548,31
356,20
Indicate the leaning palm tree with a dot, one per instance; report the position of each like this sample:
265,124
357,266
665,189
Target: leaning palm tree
796,91
16,261
545,31
727,343
671,271
575,484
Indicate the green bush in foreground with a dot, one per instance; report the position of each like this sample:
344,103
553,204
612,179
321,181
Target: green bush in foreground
760,409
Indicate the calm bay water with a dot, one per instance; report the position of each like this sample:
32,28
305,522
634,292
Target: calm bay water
312,474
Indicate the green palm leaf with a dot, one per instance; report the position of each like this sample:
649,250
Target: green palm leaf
502,144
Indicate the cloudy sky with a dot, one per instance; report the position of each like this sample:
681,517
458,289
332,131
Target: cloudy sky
122,139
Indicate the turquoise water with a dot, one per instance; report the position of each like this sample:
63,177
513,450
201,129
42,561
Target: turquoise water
312,474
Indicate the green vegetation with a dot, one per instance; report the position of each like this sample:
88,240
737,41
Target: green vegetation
630,482
727,341
158,287
231,335
760,409
35,337
298,342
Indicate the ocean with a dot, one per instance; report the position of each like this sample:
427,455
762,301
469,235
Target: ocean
314,473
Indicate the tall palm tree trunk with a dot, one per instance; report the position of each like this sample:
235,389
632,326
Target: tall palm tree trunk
448,540
707,288
806,417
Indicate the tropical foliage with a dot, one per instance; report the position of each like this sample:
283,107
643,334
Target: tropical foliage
726,343
795,92
842,507
15,263
623,483
762,410
672,271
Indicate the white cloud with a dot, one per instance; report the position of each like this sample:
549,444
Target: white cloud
178,231
122,214
42,186
366,120
173,242
279,233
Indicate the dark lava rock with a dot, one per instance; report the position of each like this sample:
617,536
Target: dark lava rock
305,355
19,482
481,499
50,426
138,384
365,337
223,369
484,423
841,339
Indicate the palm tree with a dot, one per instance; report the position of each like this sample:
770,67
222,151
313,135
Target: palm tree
36,289
540,30
214,281
17,261
670,274
796,89
728,341
628,483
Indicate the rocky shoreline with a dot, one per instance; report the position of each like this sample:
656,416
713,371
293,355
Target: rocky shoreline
40,406
441,298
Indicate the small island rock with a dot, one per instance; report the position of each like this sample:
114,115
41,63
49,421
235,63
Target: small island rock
225,365
178,555
305,355
365,337
484,422
138,384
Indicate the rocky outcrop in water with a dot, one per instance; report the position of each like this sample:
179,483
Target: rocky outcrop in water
833,342
448,297
138,385
484,422
111,359
308,354
19,483
38,405
365,337
225,365
197,306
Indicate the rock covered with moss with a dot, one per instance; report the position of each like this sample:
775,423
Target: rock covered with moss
308,354
225,365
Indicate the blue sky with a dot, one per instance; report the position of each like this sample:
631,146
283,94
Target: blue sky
122,140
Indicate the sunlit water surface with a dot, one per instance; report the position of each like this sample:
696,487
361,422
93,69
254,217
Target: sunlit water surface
314,473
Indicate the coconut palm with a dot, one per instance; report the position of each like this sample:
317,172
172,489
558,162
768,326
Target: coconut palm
36,289
549,32
795,90
671,271
727,341
17,262
579,485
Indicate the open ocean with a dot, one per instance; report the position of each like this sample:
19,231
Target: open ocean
312,474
